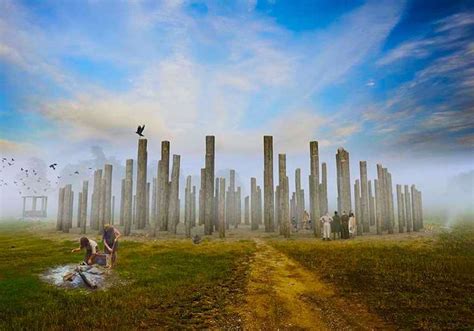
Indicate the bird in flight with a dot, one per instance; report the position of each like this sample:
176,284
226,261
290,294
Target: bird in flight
76,172
53,166
140,130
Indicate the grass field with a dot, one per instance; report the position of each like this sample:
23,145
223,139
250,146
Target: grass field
169,284
423,283
417,281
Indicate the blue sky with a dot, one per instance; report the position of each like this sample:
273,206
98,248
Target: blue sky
388,80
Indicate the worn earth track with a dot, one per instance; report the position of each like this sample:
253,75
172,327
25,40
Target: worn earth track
282,294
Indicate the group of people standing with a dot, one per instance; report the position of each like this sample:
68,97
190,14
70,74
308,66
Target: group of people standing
341,227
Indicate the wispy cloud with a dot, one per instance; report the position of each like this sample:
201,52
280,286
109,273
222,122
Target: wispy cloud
181,95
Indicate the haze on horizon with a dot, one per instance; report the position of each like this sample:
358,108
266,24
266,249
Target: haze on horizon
391,81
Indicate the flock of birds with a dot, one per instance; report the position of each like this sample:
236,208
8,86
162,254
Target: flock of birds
30,180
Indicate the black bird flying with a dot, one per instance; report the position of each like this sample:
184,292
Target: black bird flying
140,130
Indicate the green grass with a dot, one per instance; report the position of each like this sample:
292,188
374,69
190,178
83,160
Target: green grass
172,284
421,283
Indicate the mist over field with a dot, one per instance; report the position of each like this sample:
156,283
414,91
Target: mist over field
447,188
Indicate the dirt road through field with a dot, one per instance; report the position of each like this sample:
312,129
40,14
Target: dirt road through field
282,294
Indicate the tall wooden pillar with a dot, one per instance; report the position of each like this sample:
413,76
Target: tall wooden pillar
202,197
95,204
162,188
187,207
85,189
283,197
173,213
221,208
323,192
79,204
102,204
108,193
122,201
154,203
268,184
379,205
209,193
401,214
253,204
343,180
364,197
247,210
358,212
59,222
238,207
142,159
314,188
193,203
128,197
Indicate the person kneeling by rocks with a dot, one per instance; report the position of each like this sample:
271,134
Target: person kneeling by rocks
91,249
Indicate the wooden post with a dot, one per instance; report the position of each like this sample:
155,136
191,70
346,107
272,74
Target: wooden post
59,221
268,184
209,193
202,196
277,207
96,199
414,208
314,189
221,208
128,197
67,210
113,209
142,158
380,198
193,203
215,212
162,188
364,198
238,207
79,204
147,205
284,197
85,189
324,209
173,213
188,207
408,214
102,204
108,193
247,210
154,204
253,201
401,216
230,205
344,180
391,216
358,211
379,206
122,201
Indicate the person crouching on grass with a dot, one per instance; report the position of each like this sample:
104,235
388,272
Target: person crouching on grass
91,249
110,239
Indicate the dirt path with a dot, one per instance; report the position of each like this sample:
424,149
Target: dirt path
282,294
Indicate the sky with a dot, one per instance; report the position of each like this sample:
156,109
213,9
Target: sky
390,81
